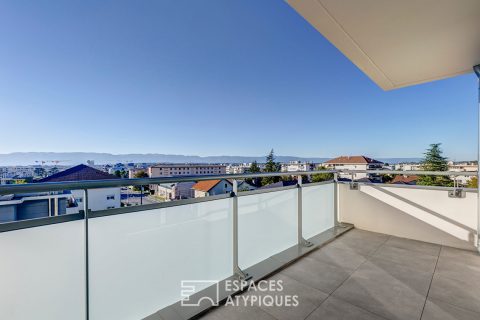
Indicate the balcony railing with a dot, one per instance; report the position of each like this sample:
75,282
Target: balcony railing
129,263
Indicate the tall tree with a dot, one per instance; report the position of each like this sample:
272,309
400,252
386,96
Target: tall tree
254,168
434,161
271,166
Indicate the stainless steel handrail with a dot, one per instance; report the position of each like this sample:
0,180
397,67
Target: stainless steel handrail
414,173
115,183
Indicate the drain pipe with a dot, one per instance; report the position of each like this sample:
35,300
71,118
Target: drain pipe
476,69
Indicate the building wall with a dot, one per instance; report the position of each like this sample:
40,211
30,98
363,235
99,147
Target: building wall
221,188
425,215
97,199
185,170
8,213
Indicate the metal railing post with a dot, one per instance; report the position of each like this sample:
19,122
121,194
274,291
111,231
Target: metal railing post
476,69
335,199
87,287
239,273
300,239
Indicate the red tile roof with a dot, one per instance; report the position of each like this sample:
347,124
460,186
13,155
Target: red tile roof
352,160
404,179
205,185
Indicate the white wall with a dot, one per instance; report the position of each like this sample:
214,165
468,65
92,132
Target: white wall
97,198
425,215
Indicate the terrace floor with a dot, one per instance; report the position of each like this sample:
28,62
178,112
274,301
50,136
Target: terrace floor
366,275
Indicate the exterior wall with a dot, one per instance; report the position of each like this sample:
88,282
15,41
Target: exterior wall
97,199
8,213
184,170
33,209
183,190
425,215
220,188
349,167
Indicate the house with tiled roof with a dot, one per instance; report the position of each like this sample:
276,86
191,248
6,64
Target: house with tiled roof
355,163
212,187
98,199
401,179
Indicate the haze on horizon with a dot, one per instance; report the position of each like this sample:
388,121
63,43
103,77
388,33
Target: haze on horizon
221,78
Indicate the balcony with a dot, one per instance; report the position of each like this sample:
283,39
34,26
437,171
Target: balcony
347,250
367,275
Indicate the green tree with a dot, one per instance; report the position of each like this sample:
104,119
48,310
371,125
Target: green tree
271,166
138,175
434,161
319,177
472,183
254,168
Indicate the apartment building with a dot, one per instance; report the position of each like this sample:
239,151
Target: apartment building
239,168
355,163
184,169
292,166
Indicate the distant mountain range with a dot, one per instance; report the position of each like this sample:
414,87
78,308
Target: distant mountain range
73,158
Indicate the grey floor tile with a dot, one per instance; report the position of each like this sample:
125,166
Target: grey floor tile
343,258
237,313
439,310
282,304
463,294
407,258
365,235
414,245
386,289
363,247
337,309
316,274
458,270
466,256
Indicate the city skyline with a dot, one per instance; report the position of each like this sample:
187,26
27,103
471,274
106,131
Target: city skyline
76,77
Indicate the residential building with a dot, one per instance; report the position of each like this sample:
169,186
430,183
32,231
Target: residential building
212,187
25,206
408,166
401,179
98,199
184,169
465,166
175,191
355,163
239,168
298,166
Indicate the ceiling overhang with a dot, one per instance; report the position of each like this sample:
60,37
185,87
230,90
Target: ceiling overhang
400,43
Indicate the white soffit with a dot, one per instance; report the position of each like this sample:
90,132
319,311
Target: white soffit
399,43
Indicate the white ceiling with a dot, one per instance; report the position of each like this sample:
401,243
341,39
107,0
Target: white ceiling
399,43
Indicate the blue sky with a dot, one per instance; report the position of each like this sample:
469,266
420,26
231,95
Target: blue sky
212,77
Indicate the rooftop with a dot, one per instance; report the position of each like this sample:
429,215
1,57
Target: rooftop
78,173
352,160
367,275
206,185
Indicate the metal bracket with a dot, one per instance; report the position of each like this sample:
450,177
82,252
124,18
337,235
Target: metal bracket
456,193
306,243
354,186
241,275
